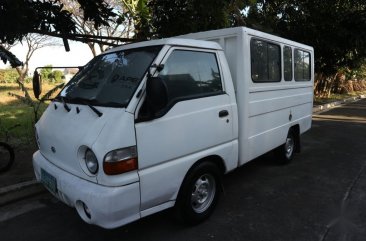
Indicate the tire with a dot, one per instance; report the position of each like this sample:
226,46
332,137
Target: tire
6,157
285,153
199,193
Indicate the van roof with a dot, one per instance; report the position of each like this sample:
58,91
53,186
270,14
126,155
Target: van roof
170,41
225,32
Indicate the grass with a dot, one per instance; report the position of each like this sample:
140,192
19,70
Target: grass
15,112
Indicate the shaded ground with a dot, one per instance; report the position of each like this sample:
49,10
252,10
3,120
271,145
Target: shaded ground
22,169
262,201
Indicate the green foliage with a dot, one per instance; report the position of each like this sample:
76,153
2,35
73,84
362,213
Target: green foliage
28,80
15,112
11,115
2,76
11,75
36,105
56,76
335,28
175,17
24,16
23,99
46,73
8,76
355,73
50,76
361,72
139,11
6,55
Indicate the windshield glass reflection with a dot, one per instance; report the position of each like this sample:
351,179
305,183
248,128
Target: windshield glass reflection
110,79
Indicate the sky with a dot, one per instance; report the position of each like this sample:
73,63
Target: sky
79,55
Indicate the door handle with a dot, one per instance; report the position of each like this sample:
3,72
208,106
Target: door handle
223,113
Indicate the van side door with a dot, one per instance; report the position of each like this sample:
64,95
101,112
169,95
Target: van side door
197,122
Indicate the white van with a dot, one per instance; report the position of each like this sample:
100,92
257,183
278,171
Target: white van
147,126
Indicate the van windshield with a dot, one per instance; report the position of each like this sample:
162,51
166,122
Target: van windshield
110,79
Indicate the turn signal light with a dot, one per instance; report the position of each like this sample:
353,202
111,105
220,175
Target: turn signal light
115,168
120,161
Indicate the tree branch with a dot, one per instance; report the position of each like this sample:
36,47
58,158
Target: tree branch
85,37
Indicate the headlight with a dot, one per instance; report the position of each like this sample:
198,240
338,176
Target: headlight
91,161
120,161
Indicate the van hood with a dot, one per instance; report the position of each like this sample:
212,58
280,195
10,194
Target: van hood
63,136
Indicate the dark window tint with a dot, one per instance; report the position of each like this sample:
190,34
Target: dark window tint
266,61
259,60
287,61
191,74
302,65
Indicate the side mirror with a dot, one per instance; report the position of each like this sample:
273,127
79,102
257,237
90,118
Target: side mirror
156,94
37,86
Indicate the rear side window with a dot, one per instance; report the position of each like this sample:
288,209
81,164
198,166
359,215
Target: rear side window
287,62
266,61
302,65
191,74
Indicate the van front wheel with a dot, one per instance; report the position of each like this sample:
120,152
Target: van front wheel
199,193
285,153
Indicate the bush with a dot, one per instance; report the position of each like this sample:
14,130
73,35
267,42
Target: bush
28,80
45,73
8,75
50,76
57,76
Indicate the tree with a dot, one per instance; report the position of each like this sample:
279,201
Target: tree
6,55
236,11
46,72
138,15
118,25
21,17
334,27
33,42
175,17
57,76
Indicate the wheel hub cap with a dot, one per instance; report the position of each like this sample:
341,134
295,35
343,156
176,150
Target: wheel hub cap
203,193
289,147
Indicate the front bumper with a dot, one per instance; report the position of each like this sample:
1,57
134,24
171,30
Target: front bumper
109,207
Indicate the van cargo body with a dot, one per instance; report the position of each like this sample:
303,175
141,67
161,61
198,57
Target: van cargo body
266,111
152,125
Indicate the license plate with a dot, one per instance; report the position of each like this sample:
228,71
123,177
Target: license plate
49,181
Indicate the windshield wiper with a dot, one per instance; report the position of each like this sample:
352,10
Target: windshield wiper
85,102
94,109
64,104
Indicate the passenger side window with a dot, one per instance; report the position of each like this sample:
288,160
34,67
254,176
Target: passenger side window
191,74
302,65
266,61
287,61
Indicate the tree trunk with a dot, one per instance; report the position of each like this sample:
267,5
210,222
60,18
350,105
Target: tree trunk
92,48
22,74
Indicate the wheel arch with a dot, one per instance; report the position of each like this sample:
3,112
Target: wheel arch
215,159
